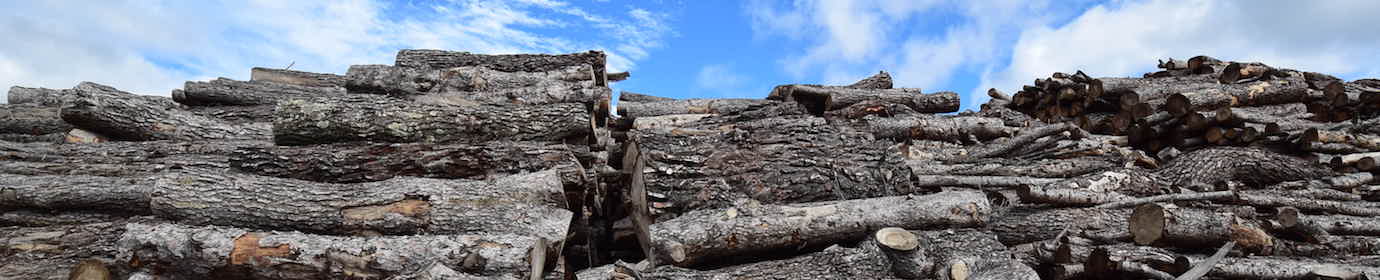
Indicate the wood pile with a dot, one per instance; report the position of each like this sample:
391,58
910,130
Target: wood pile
453,165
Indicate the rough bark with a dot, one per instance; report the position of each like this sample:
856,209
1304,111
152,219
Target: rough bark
1334,224
475,84
293,77
834,262
177,251
667,122
438,59
881,80
1281,268
629,109
30,138
1165,225
53,251
902,250
628,96
224,91
818,99
978,182
353,163
381,119
31,120
1025,224
125,116
1062,168
704,235
788,159
971,254
1095,188
949,129
530,204
38,96
260,115
117,153
1247,165
127,195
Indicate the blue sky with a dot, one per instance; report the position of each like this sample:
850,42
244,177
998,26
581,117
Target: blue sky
685,49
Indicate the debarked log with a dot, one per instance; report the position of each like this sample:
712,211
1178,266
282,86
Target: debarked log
629,109
126,116
530,204
31,120
702,235
383,119
224,91
353,163
213,252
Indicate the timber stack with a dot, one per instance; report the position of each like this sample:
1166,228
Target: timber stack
454,165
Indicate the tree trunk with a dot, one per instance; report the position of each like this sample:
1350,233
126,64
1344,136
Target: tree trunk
629,109
39,96
177,251
439,59
1333,224
31,120
818,99
298,78
476,84
789,159
703,235
667,122
354,163
530,204
124,195
224,91
1281,268
381,119
254,115
125,116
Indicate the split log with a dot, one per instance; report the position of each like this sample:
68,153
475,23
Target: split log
1166,225
298,78
353,163
629,109
530,204
1247,165
178,251
703,235
56,251
950,129
881,80
475,84
38,96
834,262
125,116
31,120
818,99
971,254
364,118
224,91
439,59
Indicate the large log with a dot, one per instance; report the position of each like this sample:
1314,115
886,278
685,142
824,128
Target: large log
223,91
834,262
184,252
438,59
788,159
382,119
119,195
818,99
704,235
948,129
1167,225
629,109
475,84
38,96
241,115
1026,224
31,119
1286,269
55,251
126,116
1060,168
353,163
293,77
1247,165
530,204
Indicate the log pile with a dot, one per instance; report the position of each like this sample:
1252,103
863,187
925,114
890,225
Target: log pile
455,165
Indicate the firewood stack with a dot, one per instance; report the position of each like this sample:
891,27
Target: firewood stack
453,165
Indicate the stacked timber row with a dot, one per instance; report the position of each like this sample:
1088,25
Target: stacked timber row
453,165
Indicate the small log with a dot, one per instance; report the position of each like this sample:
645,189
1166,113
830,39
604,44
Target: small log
951,129
31,120
902,248
628,96
353,163
1354,208
1211,196
971,254
1367,142
1332,224
1180,104
1165,225
1026,137
693,238
126,116
1061,168
38,96
528,204
629,109
298,78
365,118
1025,224
232,253
224,91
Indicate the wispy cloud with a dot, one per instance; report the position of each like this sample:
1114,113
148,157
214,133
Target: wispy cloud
152,47
720,78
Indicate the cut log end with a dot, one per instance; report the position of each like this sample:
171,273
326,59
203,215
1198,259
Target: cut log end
1147,223
897,239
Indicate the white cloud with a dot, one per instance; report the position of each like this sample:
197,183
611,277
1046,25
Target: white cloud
720,77
1125,39
152,47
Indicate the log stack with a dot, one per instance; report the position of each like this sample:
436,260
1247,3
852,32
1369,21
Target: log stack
456,165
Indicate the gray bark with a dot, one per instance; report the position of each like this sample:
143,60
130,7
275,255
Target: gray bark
530,204
437,59
1027,224
628,96
353,163
1061,168
969,254
881,80
475,84
703,235
38,96
948,129
31,120
293,77
128,195
224,91
629,109
1281,268
818,99
1247,165
835,262
30,138
381,119
254,115
51,252
177,251
125,116
1165,225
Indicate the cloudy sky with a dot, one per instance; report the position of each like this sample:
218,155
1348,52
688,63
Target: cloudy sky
685,49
